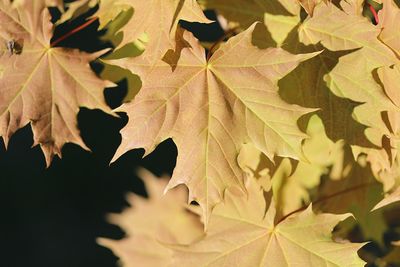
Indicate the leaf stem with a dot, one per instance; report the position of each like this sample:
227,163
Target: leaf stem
325,198
376,17
72,32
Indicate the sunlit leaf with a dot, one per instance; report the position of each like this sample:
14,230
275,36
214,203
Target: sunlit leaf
227,109
242,233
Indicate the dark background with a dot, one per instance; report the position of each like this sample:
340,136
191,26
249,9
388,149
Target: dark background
51,217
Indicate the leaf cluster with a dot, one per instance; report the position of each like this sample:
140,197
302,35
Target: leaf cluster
287,128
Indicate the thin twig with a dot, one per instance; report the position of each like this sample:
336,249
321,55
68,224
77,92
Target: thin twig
326,198
78,29
376,17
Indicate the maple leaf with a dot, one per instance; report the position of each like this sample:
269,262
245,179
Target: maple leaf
242,233
352,77
41,84
389,19
151,222
158,19
227,100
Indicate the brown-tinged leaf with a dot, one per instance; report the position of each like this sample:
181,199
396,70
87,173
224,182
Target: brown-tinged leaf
41,84
151,222
228,100
242,233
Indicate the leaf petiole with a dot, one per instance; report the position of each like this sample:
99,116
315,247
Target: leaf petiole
72,32
348,190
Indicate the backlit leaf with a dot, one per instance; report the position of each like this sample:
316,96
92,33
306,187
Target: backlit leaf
242,233
228,100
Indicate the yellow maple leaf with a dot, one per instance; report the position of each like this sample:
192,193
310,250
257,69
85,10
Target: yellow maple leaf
242,233
227,100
